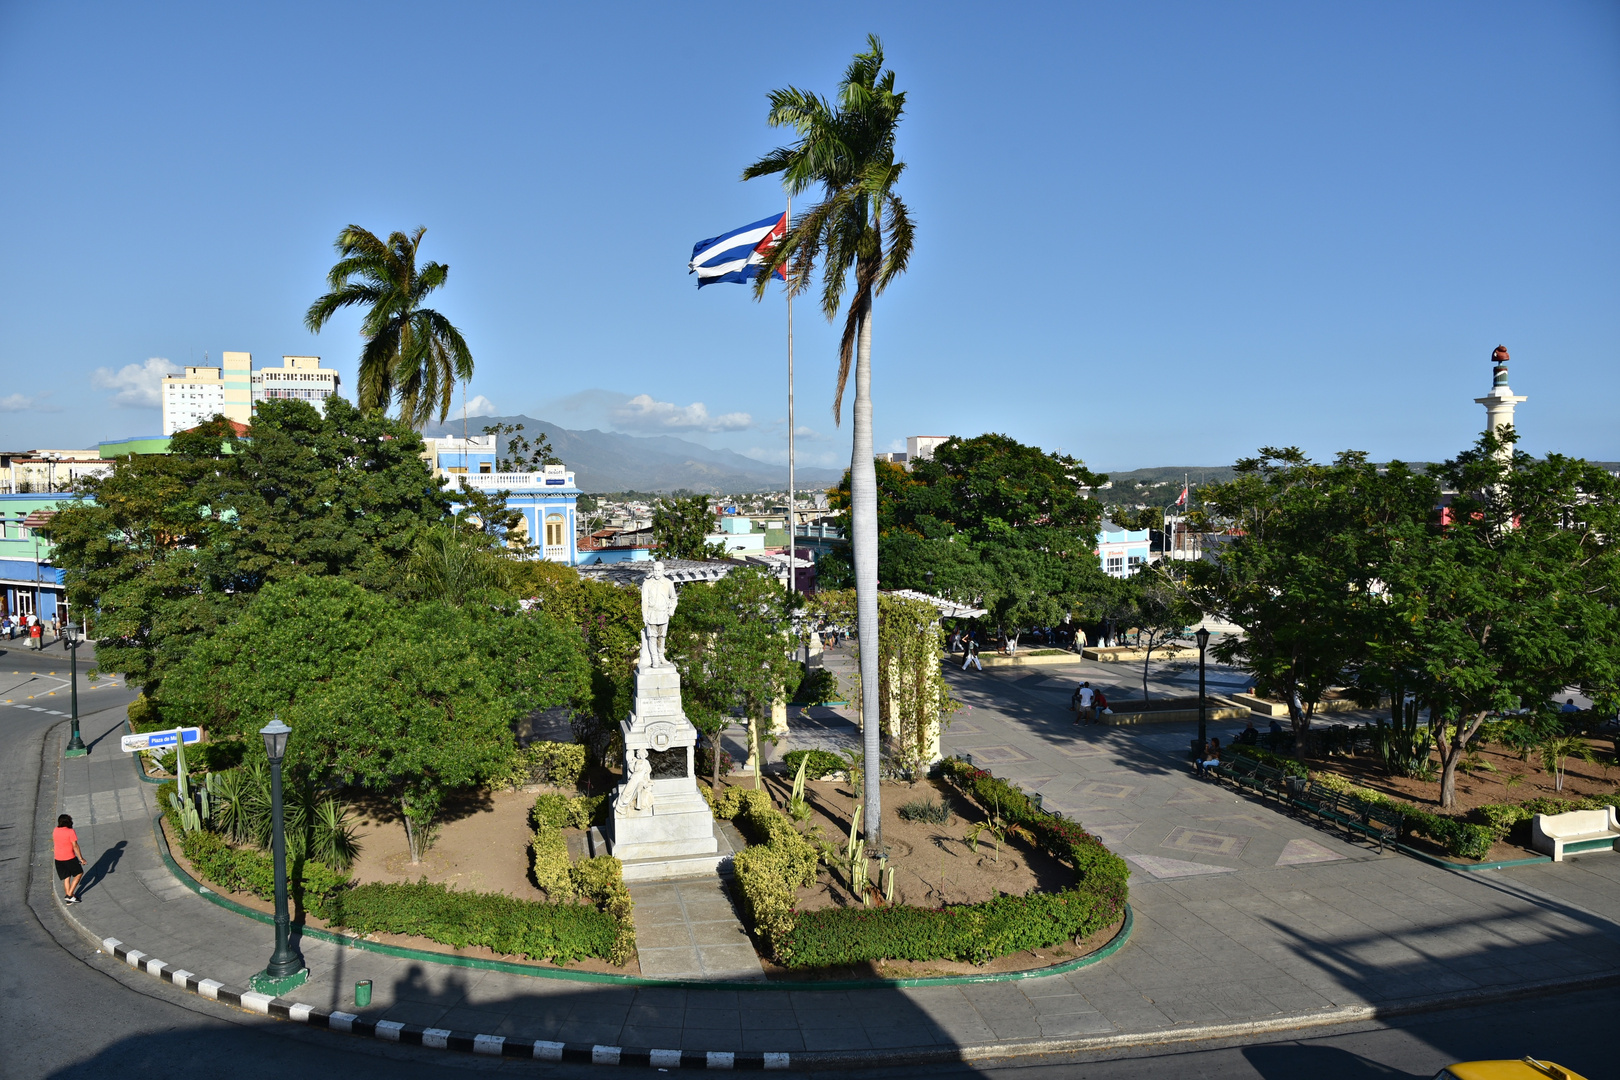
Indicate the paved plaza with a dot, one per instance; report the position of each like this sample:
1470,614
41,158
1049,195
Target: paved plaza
1243,914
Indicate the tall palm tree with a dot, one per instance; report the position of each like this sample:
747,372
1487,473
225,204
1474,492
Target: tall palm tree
411,352
861,224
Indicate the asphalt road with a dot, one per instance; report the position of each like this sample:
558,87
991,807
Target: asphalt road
66,1010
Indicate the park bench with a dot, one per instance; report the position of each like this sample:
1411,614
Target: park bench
1239,770
1574,831
1270,782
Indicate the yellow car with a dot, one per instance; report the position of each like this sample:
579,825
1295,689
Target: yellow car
1524,1069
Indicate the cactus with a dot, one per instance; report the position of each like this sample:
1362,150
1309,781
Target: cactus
189,821
888,888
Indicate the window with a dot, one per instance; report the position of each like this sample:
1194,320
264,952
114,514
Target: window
1135,561
554,530
483,466
1116,564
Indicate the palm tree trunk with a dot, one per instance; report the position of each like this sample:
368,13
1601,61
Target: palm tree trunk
864,547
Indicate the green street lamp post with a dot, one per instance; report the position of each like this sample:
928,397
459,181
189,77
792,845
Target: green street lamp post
286,968
70,642
1203,727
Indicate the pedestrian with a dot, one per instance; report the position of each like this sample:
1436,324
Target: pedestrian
36,636
69,859
1100,704
1211,758
1570,706
1084,695
972,656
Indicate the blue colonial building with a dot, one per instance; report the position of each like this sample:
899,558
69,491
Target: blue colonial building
547,499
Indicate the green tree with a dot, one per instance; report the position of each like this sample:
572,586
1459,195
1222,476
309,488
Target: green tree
731,641
991,521
1302,577
410,701
455,567
169,546
860,226
1512,596
151,553
681,527
1156,602
411,352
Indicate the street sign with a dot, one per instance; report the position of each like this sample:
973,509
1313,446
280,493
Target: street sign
159,740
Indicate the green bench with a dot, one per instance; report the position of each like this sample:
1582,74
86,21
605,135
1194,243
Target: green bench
1375,821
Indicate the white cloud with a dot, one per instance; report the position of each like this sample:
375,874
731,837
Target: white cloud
481,406
24,403
136,386
644,413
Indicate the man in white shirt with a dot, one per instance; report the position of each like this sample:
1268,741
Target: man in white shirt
1083,698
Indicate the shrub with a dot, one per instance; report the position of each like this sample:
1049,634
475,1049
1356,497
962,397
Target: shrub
563,812
549,862
505,924
1289,765
312,885
817,687
930,810
602,881
704,761
542,763
144,715
767,873
823,765
1457,837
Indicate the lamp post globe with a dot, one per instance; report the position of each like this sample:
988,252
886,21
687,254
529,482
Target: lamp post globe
286,962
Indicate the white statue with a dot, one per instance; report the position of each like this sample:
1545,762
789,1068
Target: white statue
658,602
636,796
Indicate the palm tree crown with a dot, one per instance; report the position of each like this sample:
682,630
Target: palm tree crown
860,221
411,352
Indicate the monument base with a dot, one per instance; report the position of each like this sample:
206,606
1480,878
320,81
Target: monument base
665,867
680,823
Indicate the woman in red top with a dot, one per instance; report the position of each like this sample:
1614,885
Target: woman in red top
69,859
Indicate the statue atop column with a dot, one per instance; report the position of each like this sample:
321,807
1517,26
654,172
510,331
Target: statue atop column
658,602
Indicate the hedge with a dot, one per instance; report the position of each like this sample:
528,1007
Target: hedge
771,869
505,924
543,763
1457,837
780,861
1501,817
823,765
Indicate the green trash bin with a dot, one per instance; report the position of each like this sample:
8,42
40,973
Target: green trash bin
362,993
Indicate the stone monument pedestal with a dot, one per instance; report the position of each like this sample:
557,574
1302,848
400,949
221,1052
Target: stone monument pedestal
662,826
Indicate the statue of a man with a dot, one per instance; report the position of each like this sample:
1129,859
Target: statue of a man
657,605
637,794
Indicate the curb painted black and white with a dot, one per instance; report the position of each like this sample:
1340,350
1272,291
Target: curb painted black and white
439,1038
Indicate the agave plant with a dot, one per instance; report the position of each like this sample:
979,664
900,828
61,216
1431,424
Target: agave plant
315,828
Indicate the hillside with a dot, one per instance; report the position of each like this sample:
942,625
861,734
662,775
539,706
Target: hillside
605,461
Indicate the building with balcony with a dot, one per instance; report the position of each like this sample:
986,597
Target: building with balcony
1122,551
548,499
299,377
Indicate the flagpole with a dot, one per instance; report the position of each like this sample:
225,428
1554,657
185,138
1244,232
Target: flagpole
793,548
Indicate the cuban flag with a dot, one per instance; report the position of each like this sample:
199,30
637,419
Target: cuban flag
737,255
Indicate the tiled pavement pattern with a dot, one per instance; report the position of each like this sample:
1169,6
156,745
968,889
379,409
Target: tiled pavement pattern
690,930
1290,921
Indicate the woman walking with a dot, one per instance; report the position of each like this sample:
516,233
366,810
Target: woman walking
69,859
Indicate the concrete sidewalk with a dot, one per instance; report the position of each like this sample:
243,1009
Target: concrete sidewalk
1277,924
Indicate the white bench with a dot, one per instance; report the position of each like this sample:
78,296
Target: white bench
1577,830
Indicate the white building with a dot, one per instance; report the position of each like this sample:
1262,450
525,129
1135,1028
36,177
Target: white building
233,388
921,447
299,377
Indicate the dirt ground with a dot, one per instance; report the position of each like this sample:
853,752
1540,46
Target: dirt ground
1481,785
482,846
933,864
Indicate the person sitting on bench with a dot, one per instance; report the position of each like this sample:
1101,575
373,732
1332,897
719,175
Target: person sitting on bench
1211,758
1249,736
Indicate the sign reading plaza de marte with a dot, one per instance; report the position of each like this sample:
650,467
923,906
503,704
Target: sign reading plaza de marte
662,826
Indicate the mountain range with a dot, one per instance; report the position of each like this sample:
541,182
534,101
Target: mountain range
606,461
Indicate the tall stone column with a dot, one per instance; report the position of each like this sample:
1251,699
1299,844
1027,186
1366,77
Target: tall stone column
1501,401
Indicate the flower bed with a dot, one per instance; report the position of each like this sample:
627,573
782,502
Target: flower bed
780,861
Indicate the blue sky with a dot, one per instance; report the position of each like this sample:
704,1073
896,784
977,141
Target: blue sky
1148,234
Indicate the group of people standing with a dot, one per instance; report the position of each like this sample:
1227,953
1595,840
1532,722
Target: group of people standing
30,627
